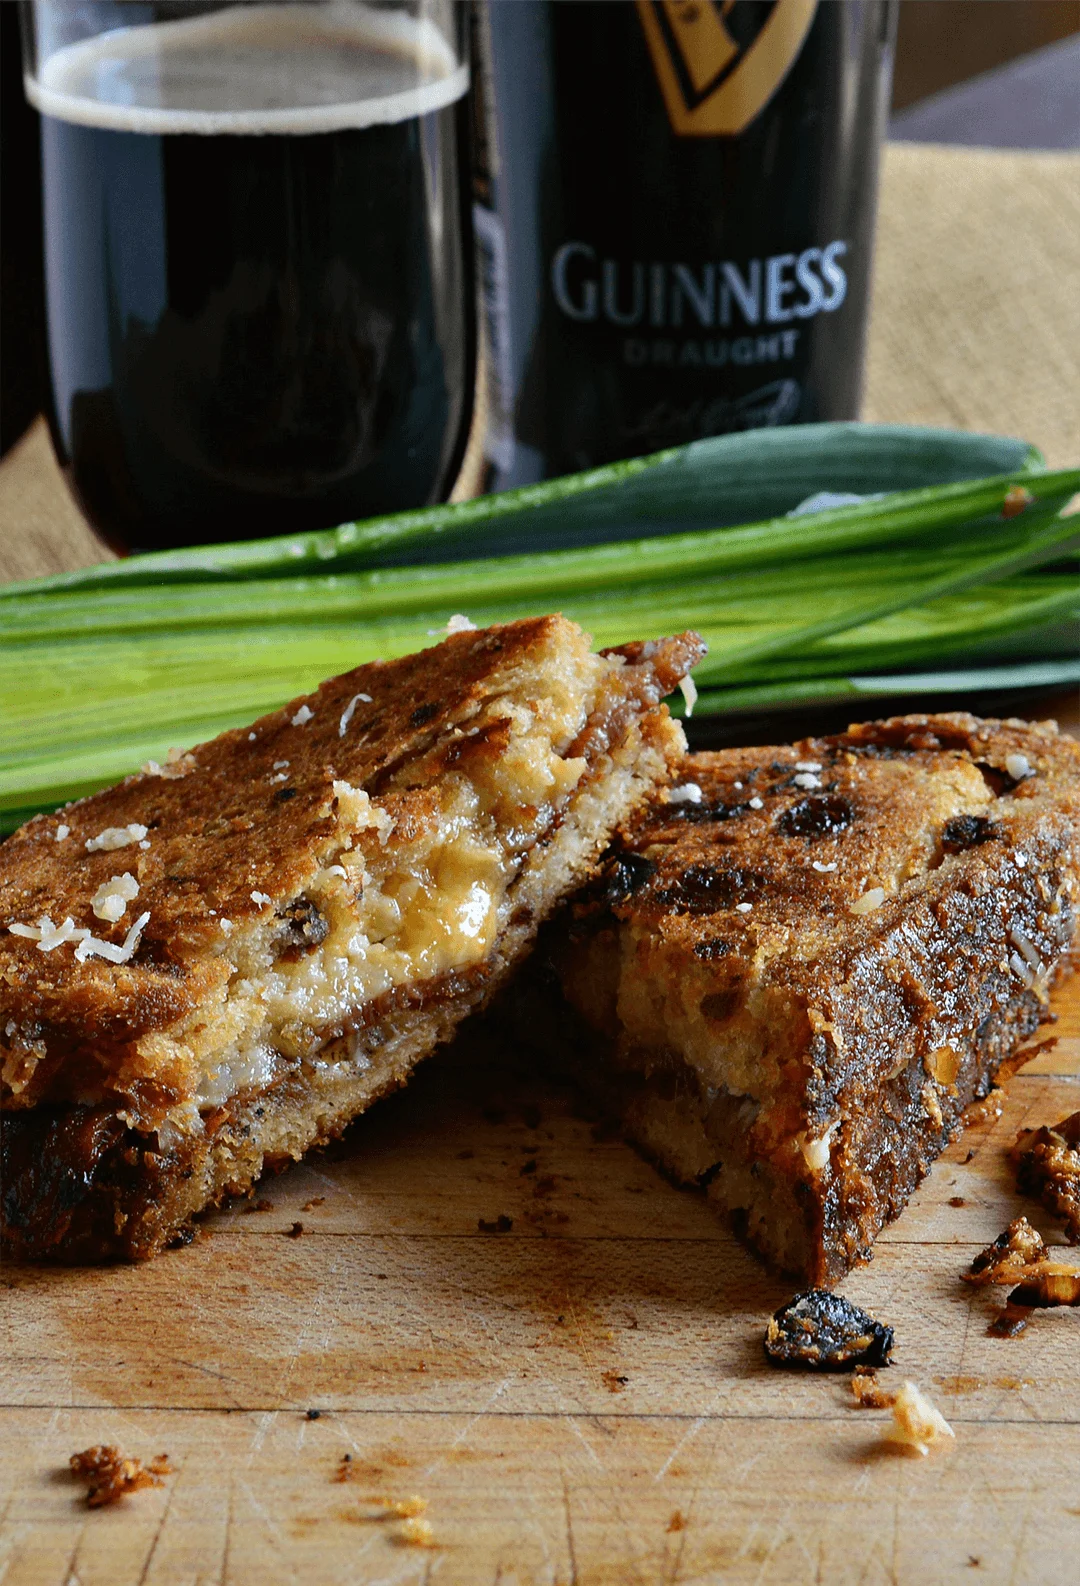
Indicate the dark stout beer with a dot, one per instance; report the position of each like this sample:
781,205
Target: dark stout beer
258,296
675,220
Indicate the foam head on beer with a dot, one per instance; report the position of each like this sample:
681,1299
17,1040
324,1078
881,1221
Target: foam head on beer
254,69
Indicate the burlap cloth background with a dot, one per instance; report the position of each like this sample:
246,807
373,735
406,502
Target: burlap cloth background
976,323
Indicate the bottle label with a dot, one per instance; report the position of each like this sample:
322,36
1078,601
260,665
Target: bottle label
715,73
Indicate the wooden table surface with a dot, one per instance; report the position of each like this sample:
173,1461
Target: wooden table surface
583,1398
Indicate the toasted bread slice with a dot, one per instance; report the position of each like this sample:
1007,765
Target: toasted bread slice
805,962
220,962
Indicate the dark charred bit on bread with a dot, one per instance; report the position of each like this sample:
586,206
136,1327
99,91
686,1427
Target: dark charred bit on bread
968,831
822,815
304,927
1048,1166
624,874
821,1331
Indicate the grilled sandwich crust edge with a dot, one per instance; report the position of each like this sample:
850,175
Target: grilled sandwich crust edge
802,1063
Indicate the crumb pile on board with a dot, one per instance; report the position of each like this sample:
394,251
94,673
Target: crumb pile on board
110,1475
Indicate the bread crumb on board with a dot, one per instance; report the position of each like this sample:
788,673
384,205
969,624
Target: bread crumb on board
869,1393
917,1423
406,1508
383,1508
1052,1284
1020,1256
416,1533
1020,1246
822,1331
110,1475
1048,1166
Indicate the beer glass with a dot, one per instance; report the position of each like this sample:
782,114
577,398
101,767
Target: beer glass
257,259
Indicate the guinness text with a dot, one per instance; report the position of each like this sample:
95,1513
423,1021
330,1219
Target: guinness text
663,296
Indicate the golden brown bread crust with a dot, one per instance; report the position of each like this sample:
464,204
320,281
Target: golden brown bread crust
806,1061
111,1138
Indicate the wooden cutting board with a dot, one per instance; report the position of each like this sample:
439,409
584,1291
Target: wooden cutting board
580,1399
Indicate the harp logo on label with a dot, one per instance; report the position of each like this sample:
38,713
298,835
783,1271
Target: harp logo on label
717,64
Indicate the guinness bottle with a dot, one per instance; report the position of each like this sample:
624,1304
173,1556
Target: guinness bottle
674,217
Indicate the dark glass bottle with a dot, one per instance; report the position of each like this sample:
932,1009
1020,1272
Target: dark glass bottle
674,218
